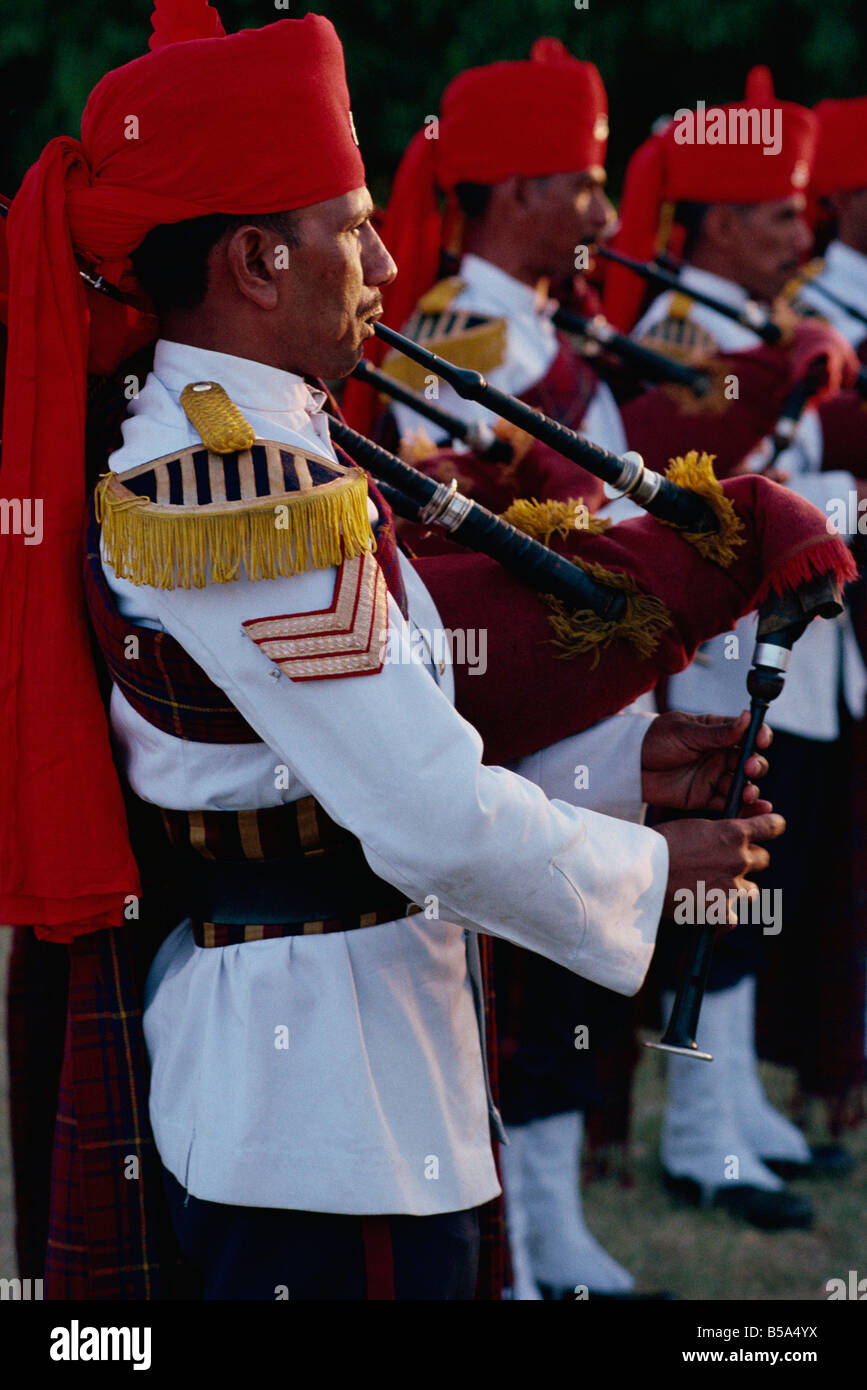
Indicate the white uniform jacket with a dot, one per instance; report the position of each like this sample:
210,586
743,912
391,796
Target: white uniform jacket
378,1103
845,275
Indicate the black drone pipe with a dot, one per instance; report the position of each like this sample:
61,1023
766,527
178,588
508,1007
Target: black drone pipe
473,526
626,473
782,620
650,365
790,417
480,438
750,315
832,298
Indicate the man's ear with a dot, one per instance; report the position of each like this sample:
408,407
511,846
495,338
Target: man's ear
251,260
722,225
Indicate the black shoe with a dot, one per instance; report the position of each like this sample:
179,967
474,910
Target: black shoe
630,1296
769,1211
827,1161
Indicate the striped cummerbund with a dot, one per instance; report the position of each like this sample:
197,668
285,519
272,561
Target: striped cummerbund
286,870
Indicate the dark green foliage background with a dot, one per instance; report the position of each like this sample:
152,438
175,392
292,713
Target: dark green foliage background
655,55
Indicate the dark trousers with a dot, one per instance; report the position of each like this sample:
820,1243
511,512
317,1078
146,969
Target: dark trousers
267,1254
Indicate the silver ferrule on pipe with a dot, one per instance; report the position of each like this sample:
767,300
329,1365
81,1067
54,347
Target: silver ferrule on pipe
768,654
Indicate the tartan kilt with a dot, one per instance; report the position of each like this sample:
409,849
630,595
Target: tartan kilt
107,1220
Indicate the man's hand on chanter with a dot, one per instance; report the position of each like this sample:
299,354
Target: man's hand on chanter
719,854
688,762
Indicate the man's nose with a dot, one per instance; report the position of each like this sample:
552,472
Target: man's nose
378,266
602,211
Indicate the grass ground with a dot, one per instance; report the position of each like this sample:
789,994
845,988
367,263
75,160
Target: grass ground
706,1255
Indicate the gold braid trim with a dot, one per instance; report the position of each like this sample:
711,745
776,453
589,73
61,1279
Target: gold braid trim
216,418
695,473
714,401
178,547
542,520
577,631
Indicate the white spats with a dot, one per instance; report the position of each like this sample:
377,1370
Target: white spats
702,1134
768,1132
553,1238
523,1288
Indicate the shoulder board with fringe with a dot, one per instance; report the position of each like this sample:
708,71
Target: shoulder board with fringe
806,273
463,338
201,516
677,335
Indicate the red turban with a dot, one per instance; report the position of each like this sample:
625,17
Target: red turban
255,122
545,116
686,161
841,156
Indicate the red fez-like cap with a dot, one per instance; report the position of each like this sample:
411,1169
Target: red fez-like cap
841,155
758,150
546,115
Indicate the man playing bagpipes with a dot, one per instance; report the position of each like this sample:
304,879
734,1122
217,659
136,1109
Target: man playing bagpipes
510,179
319,1097
733,215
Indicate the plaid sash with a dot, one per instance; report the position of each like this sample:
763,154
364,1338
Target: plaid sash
566,389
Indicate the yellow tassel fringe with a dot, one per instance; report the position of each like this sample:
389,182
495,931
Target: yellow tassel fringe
174,547
577,632
542,520
695,473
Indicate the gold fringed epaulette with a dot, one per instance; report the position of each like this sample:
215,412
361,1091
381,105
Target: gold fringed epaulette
465,339
199,517
678,336
232,505
695,473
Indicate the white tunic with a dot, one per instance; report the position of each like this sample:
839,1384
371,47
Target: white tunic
379,1101
845,275
531,346
826,660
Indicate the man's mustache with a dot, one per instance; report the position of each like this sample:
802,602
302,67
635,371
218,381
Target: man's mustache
374,307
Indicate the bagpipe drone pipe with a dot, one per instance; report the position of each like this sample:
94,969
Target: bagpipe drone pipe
554,665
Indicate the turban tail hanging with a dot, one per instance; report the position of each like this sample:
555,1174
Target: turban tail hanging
165,138
529,696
